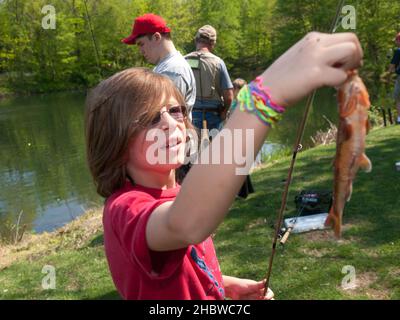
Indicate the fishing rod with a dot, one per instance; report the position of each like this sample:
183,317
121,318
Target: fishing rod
296,149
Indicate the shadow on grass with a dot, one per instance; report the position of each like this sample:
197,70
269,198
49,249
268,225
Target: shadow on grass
378,200
112,295
97,241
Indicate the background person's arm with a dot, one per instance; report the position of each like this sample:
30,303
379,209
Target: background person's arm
226,87
228,98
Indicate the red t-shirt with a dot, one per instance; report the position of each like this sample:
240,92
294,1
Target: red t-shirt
140,273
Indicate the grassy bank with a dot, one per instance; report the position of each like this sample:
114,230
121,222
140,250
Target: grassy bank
310,266
75,251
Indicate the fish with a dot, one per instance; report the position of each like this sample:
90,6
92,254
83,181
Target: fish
353,104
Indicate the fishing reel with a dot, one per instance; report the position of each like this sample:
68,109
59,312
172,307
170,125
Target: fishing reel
312,207
284,234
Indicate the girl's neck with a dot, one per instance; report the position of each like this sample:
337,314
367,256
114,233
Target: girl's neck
155,180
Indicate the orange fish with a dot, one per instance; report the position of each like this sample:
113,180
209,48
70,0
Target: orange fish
353,101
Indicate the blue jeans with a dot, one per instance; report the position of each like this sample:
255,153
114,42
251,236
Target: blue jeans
213,120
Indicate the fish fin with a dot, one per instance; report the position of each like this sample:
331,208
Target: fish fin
364,163
335,222
330,219
364,98
347,108
349,191
347,131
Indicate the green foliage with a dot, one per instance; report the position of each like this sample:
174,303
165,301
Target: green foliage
85,46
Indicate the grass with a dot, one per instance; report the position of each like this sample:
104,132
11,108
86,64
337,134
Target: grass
77,254
309,267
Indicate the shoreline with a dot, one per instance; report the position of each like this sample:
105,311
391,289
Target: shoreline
11,95
74,233
4,95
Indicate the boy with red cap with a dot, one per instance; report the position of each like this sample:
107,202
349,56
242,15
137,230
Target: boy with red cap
395,67
152,35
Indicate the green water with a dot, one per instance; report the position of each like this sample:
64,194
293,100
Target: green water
42,161
43,172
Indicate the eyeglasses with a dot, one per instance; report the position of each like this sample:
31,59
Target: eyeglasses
179,113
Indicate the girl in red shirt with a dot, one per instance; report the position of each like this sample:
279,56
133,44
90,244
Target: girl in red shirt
156,232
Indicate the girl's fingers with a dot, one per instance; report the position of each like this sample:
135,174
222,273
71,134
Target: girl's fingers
261,284
270,295
332,39
334,77
342,50
327,40
344,55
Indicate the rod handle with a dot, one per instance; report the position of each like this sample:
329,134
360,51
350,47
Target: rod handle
286,236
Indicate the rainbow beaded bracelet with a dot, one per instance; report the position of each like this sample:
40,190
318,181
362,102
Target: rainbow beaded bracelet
255,98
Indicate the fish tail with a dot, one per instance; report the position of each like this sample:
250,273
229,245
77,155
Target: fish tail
334,221
365,163
330,219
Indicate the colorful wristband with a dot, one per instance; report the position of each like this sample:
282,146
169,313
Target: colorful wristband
255,98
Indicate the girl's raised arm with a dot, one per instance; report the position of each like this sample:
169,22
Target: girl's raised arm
209,189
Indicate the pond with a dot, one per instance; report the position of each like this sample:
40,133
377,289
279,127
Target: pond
43,173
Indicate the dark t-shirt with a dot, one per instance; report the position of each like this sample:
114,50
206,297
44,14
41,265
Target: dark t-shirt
396,60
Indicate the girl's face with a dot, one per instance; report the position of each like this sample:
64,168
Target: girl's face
161,146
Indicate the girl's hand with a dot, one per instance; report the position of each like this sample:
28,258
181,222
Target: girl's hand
316,60
244,289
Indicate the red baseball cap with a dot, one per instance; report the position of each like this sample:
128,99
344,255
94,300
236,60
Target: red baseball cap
148,23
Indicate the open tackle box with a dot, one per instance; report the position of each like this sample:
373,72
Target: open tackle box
312,209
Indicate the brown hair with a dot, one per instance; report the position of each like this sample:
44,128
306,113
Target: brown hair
166,35
116,110
239,83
